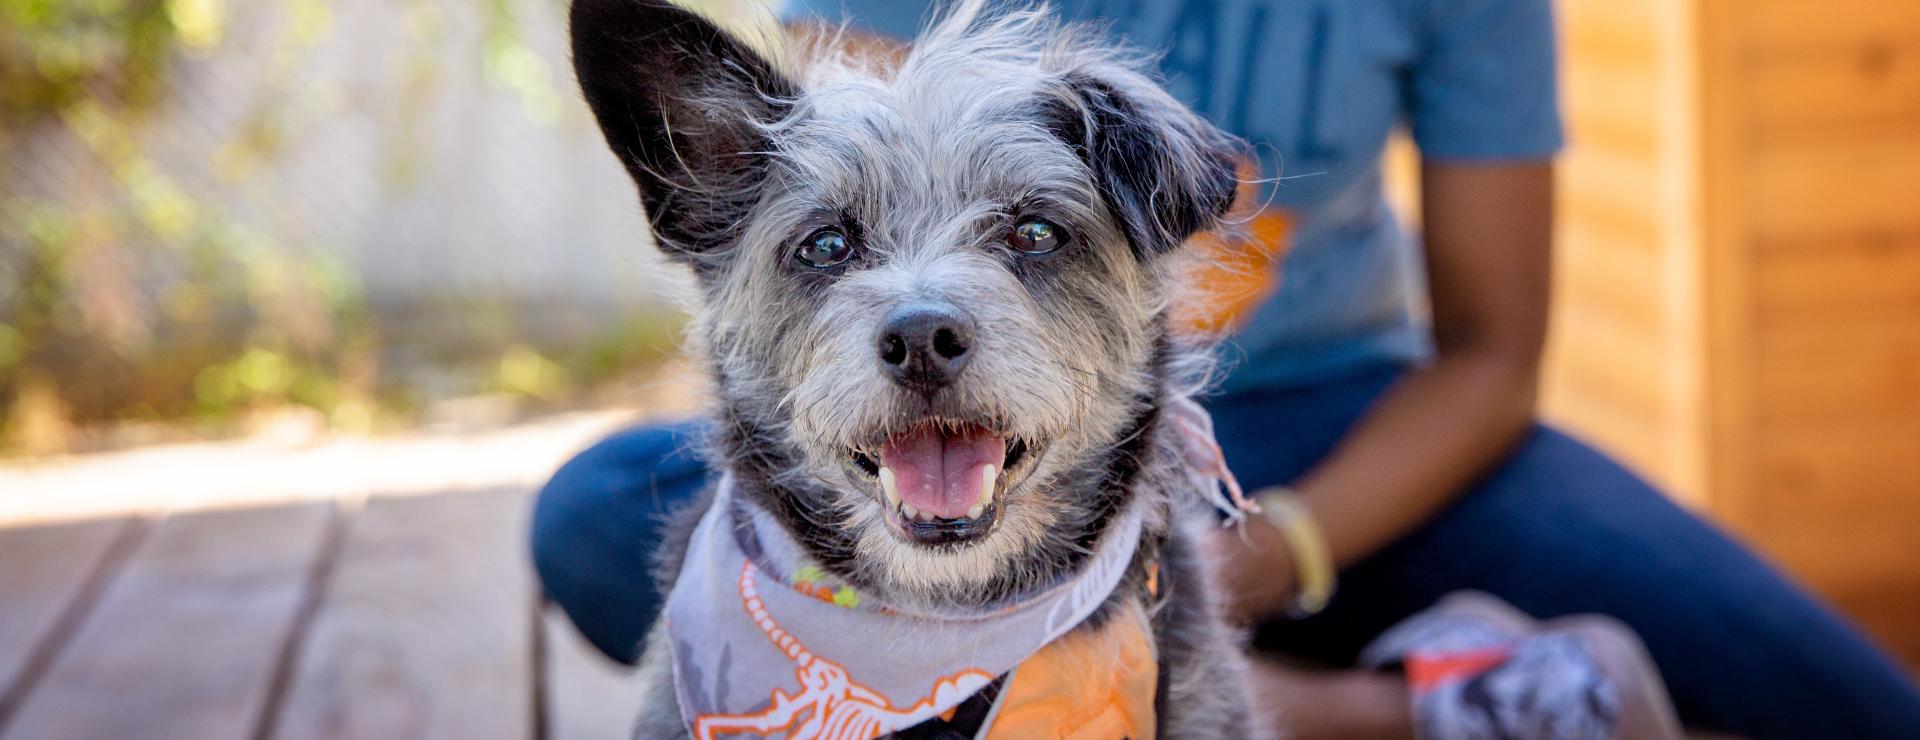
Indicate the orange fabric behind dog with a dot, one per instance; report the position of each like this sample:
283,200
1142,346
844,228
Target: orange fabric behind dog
1234,273
1087,685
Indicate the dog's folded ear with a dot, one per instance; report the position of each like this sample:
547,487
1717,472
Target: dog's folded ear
683,104
1166,173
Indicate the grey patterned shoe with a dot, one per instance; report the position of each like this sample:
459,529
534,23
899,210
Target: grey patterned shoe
1479,669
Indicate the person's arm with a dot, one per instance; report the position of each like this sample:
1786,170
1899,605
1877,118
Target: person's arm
1488,235
1482,106
1488,242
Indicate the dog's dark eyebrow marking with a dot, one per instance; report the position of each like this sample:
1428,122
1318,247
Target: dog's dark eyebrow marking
856,228
1132,147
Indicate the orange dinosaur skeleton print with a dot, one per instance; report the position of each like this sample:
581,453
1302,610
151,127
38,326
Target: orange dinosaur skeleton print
757,652
830,705
835,663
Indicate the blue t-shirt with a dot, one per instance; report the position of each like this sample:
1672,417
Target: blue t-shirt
1316,86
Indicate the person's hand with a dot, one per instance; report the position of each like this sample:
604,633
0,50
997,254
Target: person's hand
1256,575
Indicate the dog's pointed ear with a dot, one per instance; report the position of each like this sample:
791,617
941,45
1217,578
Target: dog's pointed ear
1165,172
683,104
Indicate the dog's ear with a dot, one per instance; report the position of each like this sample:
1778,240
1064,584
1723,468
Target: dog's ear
682,104
1166,172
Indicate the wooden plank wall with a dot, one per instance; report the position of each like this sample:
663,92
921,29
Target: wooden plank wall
1813,187
1738,292
1624,351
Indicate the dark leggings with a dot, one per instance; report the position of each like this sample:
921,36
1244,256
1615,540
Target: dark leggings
1557,529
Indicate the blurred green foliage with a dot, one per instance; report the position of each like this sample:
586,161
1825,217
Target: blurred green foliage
85,303
141,298
55,53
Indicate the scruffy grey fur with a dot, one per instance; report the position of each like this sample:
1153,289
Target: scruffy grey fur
927,161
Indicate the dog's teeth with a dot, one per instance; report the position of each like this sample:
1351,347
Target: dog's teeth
891,488
974,513
907,509
989,473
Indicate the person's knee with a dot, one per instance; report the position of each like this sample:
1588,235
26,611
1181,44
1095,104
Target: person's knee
630,457
557,508
621,479
557,521
595,526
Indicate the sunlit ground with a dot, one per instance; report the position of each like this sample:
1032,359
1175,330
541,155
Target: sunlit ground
475,444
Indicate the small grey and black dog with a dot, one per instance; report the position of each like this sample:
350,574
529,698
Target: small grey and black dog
960,257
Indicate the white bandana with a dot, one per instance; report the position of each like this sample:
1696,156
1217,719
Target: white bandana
754,654
762,647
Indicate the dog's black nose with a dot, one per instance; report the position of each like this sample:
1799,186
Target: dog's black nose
924,346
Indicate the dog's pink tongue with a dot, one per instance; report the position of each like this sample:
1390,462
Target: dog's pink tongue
939,472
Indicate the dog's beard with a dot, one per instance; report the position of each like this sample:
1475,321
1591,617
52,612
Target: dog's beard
1064,492
1047,524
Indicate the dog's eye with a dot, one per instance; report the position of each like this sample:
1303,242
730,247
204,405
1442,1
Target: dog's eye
824,248
1037,236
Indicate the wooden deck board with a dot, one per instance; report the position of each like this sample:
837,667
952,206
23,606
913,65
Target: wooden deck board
587,694
426,630
184,642
46,569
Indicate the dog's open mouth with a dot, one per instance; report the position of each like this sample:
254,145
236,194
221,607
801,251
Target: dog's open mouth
943,482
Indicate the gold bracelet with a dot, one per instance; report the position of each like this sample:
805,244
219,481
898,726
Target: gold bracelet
1312,561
